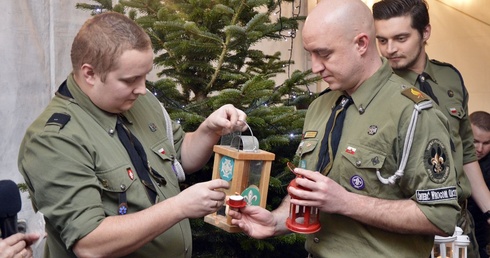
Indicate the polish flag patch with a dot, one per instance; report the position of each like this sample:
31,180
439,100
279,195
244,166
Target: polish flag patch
162,151
130,174
453,111
350,150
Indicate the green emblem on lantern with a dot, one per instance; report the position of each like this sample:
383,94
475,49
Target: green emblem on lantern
252,195
226,167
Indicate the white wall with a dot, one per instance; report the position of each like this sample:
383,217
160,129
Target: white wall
35,42
462,37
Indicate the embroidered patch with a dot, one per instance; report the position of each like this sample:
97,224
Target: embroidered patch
438,194
310,134
130,173
415,95
436,161
351,150
357,182
123,209
373,129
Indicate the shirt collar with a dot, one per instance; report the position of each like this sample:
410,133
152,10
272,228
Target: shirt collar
366,92
412,76
105,119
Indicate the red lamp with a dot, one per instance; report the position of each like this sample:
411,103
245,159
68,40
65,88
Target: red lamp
302,219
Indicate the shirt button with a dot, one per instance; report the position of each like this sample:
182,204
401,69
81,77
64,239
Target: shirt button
123,187
358,163
186,250
105,183
316,240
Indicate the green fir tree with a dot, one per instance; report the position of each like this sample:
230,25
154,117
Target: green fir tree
205,58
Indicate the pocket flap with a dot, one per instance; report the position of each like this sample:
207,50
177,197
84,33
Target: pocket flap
364,157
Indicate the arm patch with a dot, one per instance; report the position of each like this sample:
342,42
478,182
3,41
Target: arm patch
415,95
58,119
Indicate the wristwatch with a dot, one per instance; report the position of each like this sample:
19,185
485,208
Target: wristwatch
487,214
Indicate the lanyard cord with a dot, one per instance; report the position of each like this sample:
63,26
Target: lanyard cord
407,145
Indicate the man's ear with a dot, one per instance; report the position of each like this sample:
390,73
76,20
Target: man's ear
426,33
362,43
88,74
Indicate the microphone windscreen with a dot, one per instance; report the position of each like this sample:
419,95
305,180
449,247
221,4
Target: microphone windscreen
10,202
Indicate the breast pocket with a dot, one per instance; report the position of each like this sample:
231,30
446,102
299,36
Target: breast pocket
305,152
359,166
114,182
455,110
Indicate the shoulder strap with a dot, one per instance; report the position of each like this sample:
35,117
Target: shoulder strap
415,95
437,62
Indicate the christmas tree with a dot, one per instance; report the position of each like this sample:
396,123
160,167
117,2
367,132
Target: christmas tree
205,57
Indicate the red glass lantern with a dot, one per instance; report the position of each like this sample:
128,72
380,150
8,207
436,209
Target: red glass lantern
302,219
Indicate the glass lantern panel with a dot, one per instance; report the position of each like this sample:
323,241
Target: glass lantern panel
255,172
462,252
442,251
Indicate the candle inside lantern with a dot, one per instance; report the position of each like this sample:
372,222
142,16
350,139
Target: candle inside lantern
236,201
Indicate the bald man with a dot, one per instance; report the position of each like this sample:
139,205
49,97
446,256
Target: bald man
390,185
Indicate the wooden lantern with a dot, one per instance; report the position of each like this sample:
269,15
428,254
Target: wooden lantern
248,171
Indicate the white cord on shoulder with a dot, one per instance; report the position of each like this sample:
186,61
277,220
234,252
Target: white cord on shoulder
407,145
178,170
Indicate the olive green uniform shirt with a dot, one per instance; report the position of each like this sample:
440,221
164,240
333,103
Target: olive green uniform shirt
76,171
372,139
448,86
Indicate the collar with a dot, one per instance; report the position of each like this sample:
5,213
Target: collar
412,76
70,90
364,95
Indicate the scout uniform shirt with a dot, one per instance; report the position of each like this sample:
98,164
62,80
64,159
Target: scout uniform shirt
447,85
77,169
372,140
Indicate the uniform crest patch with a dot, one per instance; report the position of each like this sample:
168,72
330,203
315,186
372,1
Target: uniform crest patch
357,182
436,161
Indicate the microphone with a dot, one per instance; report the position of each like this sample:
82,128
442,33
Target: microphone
10,204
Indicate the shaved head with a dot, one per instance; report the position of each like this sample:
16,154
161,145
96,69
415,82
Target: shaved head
340,36
350,17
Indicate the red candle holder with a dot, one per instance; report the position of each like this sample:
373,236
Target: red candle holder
236,201
302,219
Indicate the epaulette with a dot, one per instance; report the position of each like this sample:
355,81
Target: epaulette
325,91
437,62
415,95
58,120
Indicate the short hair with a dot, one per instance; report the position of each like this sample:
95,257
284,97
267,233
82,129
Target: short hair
103,39
481,119
417,9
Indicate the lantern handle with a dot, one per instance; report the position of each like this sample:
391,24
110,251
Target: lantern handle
249,128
